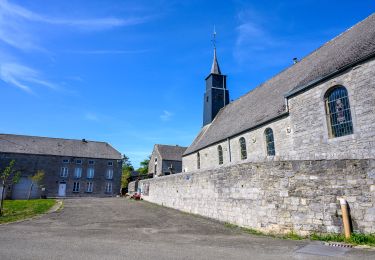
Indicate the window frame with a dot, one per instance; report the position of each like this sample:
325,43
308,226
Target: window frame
65,161
110,163
78,161
76,186
331,112
108,187
268,132
89,187
220,154
198,160
88,171
91,162
243,148
75,172
109,176
62,172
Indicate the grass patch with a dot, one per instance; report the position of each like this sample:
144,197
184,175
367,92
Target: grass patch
293,236
14,210
355,239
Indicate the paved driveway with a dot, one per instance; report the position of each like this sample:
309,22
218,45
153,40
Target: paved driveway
116,228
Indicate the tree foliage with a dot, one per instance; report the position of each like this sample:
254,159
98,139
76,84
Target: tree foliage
8,174
143,169
37,179
127,169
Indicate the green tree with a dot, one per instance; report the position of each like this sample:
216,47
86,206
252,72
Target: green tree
8,174
127,168
37,179
144,166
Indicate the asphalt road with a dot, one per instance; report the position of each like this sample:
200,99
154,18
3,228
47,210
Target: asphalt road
117,228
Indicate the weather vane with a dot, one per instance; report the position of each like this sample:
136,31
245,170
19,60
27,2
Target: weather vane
214,38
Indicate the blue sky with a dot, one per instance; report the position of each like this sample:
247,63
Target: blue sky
131,73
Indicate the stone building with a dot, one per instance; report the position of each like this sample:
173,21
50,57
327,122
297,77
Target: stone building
72,168
279,158
321,107
165,160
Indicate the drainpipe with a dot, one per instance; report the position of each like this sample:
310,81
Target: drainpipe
229,151
345,217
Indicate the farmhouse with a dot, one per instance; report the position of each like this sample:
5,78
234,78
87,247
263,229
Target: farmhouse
165,160
72,168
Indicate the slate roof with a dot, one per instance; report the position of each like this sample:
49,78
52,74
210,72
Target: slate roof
170,152
267,101
56,146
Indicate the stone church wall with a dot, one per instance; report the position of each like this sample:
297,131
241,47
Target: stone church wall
275,196
303,134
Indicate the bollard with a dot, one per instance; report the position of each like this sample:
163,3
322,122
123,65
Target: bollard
345,217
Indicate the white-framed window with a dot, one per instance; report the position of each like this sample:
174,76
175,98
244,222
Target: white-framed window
64,172
77,172
91,162
78,161
90,173
108,187
65,160
89,187
110,163
109,174
76,186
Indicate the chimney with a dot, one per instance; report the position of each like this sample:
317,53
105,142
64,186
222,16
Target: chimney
295,60
84,140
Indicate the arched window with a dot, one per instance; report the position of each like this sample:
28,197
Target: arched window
338,112
220,154
198,160
243,148
270,144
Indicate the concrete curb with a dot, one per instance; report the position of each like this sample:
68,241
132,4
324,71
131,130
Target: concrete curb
56,207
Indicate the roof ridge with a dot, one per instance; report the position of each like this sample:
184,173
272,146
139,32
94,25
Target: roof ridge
56,138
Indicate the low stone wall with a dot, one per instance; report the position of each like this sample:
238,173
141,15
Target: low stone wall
279,197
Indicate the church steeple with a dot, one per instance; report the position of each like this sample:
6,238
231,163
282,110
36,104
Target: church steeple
217,95
215,69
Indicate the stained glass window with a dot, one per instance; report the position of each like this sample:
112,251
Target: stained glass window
220,153
270,144
338,112
243,148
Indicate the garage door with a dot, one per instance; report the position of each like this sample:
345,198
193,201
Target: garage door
21,190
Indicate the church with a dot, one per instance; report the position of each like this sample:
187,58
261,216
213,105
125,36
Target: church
287,155
320,108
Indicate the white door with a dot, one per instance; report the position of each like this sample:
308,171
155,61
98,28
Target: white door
62,189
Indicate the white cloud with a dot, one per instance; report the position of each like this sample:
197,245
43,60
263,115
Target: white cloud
16,21
23,77
91,117
99,52
166,116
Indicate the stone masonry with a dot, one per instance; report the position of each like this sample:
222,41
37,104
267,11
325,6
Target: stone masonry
51,165
275,196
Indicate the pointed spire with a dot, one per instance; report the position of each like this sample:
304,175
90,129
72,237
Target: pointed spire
215,69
